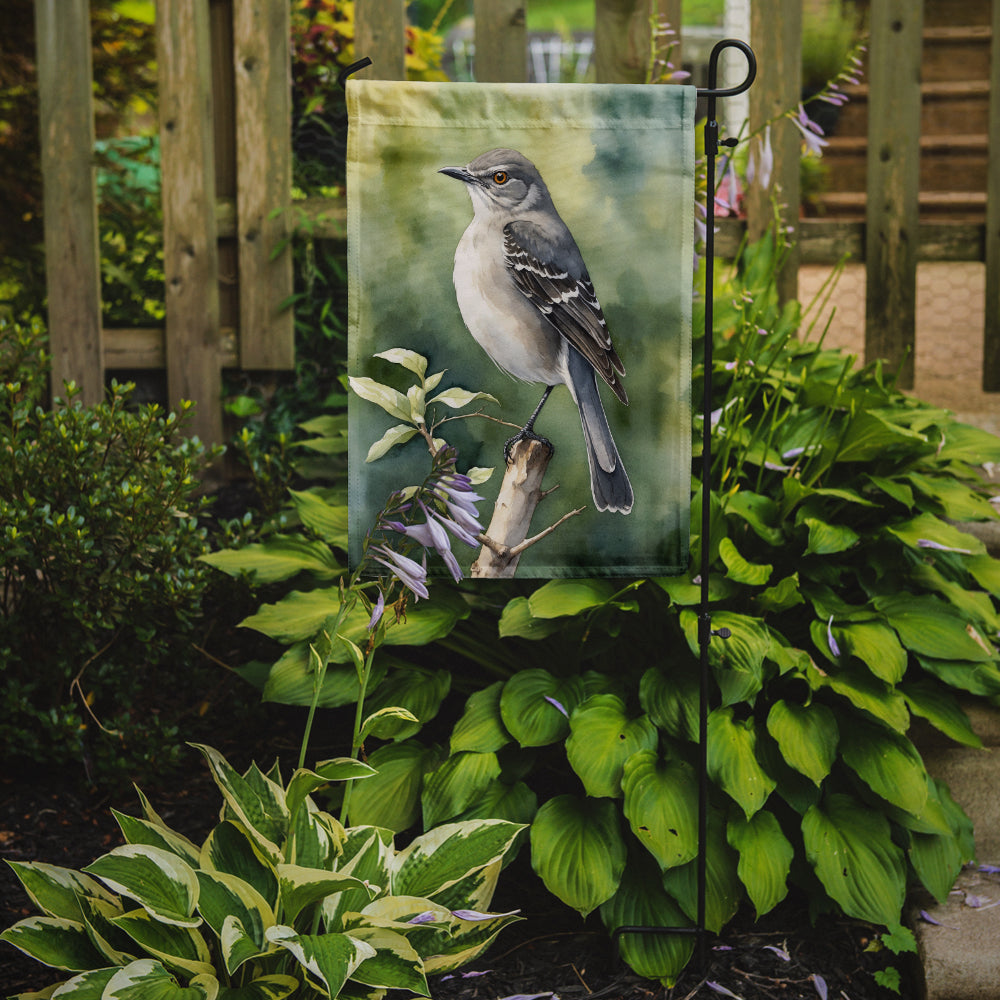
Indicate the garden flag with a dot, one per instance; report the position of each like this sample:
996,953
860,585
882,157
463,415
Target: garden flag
520,267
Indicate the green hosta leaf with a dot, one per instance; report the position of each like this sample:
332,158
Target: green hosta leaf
760,512
225,897
142,831
578,851
457,398
928,528
330,959
888,763
941,709
876,646
602,738
957,501
870,435
828,539
783,595
274,987
147,979
456,784
986,572
410,360
54,941
395,964
685,592
159,881
391,798
864,691
738,661
279,558
893,488
301,887
327,520
260,809
180,948
559,598
391,400
415,689
975,605
937,859
230,849
732,760
671,699
56,891
535,706
931,628
739,569
723,889
976,678
965,443
850,847
661,798
397,434
517,620
807,736
481,727
440,858
765,858
641,901
292,680
515,803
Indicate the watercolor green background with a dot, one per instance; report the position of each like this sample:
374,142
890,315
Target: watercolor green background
618,161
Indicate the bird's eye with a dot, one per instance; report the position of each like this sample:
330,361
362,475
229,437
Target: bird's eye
500,177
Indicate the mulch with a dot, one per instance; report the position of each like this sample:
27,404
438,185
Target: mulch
57,819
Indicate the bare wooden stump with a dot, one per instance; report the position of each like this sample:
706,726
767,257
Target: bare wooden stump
520,493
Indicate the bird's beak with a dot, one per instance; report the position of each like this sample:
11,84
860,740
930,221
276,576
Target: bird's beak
459,173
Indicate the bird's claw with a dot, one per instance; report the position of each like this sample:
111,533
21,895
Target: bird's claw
525,434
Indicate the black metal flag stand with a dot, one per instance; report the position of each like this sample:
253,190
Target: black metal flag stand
705,630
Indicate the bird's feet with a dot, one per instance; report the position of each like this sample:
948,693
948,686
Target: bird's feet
525,434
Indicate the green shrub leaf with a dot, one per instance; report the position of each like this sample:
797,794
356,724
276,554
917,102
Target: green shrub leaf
578,851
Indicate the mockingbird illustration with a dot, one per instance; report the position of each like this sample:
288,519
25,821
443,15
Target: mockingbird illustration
528,301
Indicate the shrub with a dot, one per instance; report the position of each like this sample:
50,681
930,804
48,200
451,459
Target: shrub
99,539
280,899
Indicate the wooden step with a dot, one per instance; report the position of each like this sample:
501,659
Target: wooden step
947,162
958,206
956,53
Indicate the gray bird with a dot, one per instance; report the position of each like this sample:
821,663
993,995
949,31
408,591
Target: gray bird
528,301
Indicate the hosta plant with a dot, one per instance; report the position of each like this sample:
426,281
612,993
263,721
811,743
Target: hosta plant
280,899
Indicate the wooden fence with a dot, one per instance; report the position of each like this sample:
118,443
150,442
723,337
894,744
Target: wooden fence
226,161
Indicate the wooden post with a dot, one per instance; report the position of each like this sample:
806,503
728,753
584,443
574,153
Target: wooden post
72,256
190,254
501,41
893,181
991,333
776,34
621,40
380,34
262,61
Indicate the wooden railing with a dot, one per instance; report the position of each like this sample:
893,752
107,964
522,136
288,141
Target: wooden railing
226,161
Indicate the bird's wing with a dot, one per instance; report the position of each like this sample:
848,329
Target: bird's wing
569,303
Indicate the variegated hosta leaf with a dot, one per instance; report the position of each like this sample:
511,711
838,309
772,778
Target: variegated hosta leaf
395,964
158,880
86,986
238,944
661,800
315,838
256,801
304,782
116,946
54,941
329,959
56,891
230,849
441,857
468,939
732,760
273,987
807,736
177,947
765,858
300,887
642,902
367,853
147,979
141,831
851,849
226,897
602,737
578,851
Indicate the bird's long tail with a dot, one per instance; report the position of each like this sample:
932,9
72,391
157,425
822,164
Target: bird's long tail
609,482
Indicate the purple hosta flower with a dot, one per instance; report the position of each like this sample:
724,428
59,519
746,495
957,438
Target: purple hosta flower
812,134
377,612
989,869
820,983
409,572
831,642
727,197
557,704
927,543
475,915
719,988
760,166
780,952
465,975
427,917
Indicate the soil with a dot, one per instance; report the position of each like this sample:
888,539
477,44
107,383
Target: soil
551,952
